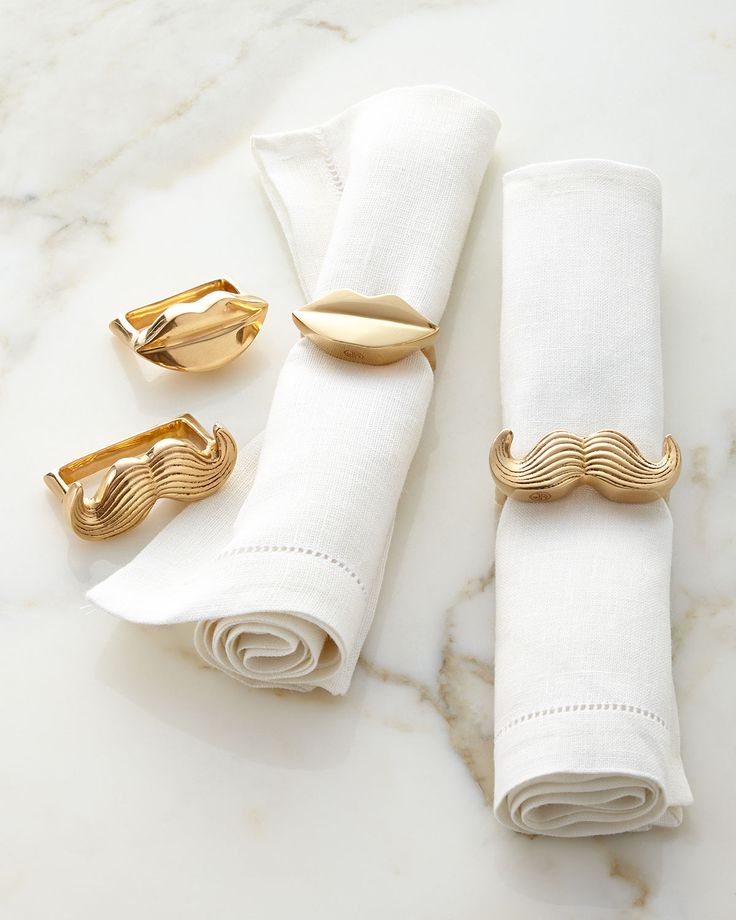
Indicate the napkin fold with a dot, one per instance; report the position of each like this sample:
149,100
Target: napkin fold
587,737
281,569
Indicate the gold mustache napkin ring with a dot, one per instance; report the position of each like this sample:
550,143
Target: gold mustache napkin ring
200,329
560,462
178,460
366,330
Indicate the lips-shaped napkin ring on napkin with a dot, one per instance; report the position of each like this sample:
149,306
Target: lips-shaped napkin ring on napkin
282,570
366,330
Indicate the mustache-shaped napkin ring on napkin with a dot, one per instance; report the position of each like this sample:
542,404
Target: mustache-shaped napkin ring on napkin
561,461
178,460
586,733
200,329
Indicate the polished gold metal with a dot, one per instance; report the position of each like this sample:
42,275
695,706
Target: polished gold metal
197,330
560,462
366,330
178,460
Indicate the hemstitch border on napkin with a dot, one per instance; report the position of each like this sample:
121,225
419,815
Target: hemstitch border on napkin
581,707
239,550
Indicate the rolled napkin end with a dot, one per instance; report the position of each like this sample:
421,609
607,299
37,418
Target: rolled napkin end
598,173
279,650
554,776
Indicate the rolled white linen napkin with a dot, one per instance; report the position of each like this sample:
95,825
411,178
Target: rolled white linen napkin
587,737
282,568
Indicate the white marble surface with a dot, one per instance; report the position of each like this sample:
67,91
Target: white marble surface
134,782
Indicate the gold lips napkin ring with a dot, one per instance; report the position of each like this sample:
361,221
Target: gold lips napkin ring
608,461
178,460
200,329
366,330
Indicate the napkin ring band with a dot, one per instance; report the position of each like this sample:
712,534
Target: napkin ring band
608,461
178,460
199,329
366,330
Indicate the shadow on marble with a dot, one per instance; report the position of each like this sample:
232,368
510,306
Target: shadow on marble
568,873
156,389
158,670
91,561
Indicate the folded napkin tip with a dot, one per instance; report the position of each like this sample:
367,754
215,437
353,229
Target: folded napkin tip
586,169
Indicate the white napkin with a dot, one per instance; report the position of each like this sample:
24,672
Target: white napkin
283,577
587,738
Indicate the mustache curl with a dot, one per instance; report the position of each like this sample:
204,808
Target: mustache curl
173,468
561,461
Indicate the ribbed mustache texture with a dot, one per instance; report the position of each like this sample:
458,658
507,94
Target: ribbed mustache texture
172,468
561,461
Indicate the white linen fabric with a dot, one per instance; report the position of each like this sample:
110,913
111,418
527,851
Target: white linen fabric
282,568
587,737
